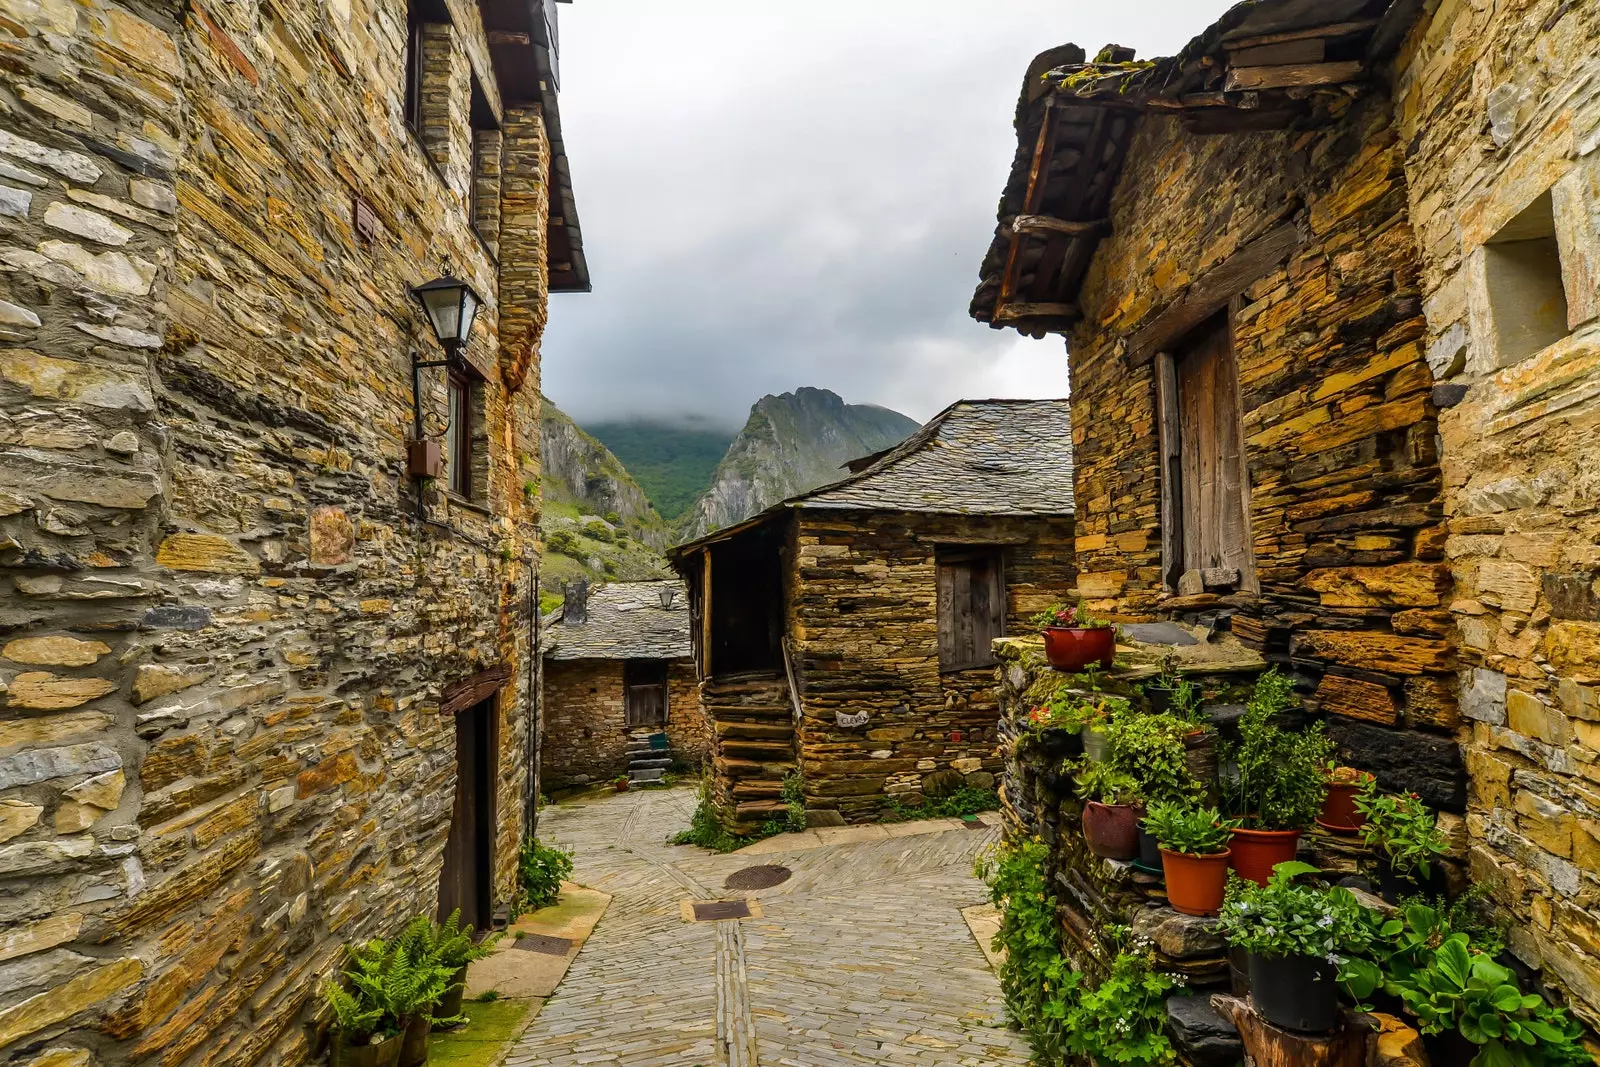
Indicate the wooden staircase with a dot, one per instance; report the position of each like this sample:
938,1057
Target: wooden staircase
753,726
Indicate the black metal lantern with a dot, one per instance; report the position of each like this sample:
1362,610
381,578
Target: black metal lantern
451,306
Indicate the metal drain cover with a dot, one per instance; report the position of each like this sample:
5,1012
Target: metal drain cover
763,877
713,910
544,943
974,824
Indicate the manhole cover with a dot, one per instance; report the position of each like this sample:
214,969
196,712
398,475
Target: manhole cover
713,910
550,946
763,877
974,824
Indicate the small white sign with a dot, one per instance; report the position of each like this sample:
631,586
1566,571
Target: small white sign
855,718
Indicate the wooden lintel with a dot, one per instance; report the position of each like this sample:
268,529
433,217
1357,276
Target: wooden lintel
1293,75
467,692
1013,311
509,37
1311,50
1212,291
1326,32
1072,227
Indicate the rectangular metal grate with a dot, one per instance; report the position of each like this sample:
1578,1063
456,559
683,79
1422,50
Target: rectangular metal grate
550,946
713,910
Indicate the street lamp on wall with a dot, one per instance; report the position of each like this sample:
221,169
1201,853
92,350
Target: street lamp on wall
451,306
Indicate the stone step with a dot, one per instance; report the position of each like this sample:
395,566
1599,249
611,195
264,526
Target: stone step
757,750
742,768
751,788
645,774
649,763
777,731
757,810
752,712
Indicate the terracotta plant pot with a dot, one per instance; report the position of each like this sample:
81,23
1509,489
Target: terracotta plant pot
1096,744
1256,852
1296,992
1112,830
622,786
1339,814
384,1054
414,1047
1195,883
1071,649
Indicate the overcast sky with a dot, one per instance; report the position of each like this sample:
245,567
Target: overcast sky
784,194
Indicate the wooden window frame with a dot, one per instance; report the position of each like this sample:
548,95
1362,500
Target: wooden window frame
953,659
411,105
459,390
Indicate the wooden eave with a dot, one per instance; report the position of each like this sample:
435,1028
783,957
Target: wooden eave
524,61
1266,64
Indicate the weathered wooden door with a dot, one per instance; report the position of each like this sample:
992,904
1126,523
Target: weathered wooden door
467,881
645,692
1216,522
971,607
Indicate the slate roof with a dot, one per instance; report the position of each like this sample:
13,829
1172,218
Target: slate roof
976,457
625,621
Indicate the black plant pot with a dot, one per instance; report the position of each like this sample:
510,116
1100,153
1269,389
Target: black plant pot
1061,744
1449,1048
1392,886
1239,971
1296,992
1160,698
1149,851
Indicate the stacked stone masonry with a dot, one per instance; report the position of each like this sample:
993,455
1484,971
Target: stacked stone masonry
585,722
226,631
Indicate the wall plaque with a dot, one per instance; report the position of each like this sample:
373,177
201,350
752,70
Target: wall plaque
853,718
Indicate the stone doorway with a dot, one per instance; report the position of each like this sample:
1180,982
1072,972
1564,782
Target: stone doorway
467,880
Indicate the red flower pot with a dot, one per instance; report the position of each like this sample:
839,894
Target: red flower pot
1071,649
1112,830
1195,884
1339,814
1256,852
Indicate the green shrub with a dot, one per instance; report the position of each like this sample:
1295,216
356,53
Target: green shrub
794,801
1280,780
543,868
1192,830
1401,828
1123,1018
705,825
565,543
1150,750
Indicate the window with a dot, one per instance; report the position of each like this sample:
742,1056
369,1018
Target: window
972,606
413,97
458,436
1522,274
1205,516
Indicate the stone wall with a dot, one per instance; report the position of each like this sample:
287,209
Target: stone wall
864,631
1338,420
226,632
1499,104
586,724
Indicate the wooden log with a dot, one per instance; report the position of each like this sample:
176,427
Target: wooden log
1036,311
1290,75
1171,443
1273,55
1047,224
1326,32
1266,1045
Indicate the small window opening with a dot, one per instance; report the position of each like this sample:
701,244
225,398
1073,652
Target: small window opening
1522,264
413,97
971,606
458,437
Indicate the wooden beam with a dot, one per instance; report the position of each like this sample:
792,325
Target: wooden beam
1294,75
1171,437
1043,150
1213,290
1036,311
509,37
1272,55
1047,224
705,612
1328,31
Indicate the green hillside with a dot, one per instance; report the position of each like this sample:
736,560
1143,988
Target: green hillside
672,464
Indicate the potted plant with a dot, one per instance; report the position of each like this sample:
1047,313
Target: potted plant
1194,854
621,783
415,981
1339,813
1110,812
1057,725
1162,690
1299,939
1150,750
1403,833
454,949
365,1032
1073,638
1277,785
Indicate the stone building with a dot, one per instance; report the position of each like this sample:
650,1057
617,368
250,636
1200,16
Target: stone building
1327,283
264,690
846,632
619,671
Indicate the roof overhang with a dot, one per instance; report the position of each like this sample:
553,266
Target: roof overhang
1266,64
524,47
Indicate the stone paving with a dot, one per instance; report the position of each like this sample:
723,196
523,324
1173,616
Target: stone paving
862,957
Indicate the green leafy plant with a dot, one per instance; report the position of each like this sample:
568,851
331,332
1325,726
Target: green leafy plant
1279,782
1122,1019
542,868
1074,711
705,825
386,984
1401,828
452,943
794,803
1181,827
1149,749
1287,918
1106,784
417,978
1040,985
1062,613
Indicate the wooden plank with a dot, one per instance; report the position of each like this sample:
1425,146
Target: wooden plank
1328,31
946,610
1189,453
1047,224
1239,551
1043,150
1272,55
1292,75
705,613
1167,419
1213,290
1036,311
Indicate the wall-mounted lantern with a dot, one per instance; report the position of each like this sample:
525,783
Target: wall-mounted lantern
451,306
668,594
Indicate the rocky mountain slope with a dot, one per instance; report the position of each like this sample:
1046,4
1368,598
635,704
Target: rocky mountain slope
672,462
791,442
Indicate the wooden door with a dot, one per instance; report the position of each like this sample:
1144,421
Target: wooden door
971,607
1216,524
645,692
467,880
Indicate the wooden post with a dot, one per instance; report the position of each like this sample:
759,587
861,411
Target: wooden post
1171,470
1267,1046
705,611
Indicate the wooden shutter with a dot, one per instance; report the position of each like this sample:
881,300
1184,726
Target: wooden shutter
1216,527
971,606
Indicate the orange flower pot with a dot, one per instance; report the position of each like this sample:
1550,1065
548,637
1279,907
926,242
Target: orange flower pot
1071,648
1195,884
1339,814
1256,852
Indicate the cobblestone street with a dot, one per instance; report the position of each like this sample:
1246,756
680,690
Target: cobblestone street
861,957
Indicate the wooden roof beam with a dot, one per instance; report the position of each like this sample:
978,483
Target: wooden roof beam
1293,75
1071,227
1012,312
1326,32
